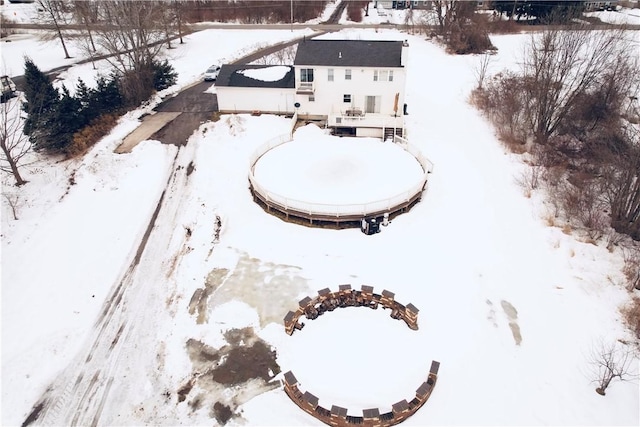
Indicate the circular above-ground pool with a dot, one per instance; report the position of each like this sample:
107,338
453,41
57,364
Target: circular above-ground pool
318,178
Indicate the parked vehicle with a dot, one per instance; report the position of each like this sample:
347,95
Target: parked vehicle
8,88
212,73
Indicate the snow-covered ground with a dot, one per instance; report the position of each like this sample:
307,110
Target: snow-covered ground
510,306
621,16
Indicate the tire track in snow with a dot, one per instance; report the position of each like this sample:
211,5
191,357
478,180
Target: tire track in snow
79,394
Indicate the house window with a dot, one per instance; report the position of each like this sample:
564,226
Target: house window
347,74
346,98
312,98
383,75
306,74
330,74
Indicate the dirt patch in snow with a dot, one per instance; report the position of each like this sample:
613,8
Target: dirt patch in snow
200,298
267,287
224,378
512,315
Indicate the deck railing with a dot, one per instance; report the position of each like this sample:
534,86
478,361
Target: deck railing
339,210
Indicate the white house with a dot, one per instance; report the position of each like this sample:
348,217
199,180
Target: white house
356,87
248,88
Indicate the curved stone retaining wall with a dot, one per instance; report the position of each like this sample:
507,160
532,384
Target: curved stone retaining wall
339,416
345,296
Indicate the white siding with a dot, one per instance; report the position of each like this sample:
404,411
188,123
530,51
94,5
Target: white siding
329,94
247,99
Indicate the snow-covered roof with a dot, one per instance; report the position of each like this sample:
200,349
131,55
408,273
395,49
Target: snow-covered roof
244,75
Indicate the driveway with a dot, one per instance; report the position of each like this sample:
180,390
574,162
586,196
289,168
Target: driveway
194,106
176,118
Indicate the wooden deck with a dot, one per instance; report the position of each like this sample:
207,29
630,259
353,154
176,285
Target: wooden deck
316,219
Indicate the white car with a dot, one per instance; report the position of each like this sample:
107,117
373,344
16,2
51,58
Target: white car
212,73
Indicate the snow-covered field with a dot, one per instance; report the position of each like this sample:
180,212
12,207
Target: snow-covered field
510,306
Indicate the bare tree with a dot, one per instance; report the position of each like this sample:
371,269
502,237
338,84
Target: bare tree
621,188
282,57
462,29
14,144
167,18
13,200
84,11
178,12
560,65
482,68
440,7
133,40
54,14
611,361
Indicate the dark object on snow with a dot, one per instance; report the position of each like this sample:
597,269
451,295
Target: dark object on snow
8,88
370,226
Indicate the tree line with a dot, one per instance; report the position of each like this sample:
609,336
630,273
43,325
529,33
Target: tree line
61,123
573,106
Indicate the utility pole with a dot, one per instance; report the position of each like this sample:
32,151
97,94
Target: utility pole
292,16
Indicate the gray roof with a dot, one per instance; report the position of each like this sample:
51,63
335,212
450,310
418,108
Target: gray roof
230,76
350,53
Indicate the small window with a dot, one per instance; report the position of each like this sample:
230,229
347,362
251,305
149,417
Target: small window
330,74
346,98
347,74
382,75
312,98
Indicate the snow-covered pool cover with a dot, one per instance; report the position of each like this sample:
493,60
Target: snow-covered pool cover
320,168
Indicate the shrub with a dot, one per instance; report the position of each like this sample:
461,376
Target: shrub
631,267
355,9
631,315
469,39
504,105
504,27
91,134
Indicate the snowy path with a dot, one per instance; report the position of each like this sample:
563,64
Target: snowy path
80,393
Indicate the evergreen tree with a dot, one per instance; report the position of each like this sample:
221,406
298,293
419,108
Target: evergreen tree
107,97
546,11
84,94
164,75
41,101
555,11
66,120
